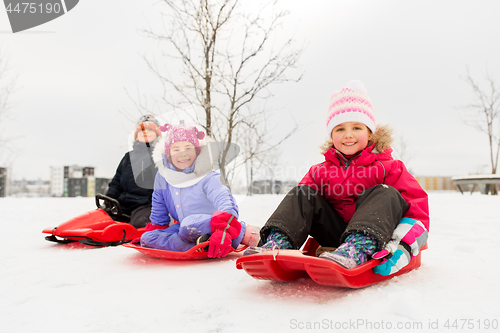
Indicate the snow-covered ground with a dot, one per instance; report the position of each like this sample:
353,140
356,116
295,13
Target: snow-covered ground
47,287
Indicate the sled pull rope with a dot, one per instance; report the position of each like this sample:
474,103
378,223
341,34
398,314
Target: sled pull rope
275,254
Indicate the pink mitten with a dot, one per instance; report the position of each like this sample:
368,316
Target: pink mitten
225,227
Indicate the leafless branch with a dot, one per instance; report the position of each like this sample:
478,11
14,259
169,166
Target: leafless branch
8,86
484,113
224,61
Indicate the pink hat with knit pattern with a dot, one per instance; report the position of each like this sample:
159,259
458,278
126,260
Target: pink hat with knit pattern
350,104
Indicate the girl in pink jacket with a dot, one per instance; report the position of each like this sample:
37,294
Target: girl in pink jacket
359,201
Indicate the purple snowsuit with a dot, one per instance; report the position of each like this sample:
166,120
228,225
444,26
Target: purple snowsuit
193,207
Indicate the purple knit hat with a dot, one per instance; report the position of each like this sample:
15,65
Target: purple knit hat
179,133
351,104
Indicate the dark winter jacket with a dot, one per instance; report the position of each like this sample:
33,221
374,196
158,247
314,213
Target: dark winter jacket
133,182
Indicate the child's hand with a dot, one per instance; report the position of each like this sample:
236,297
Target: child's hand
408,237
225,227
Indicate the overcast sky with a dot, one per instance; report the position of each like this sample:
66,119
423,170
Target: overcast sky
72,108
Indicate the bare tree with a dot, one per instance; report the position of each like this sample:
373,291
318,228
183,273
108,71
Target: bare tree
403,151
227,62
7,88
484,115
259,151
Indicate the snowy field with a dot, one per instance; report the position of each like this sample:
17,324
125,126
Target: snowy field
48,287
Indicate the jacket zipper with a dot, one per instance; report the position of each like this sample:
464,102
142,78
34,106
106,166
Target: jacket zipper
347,162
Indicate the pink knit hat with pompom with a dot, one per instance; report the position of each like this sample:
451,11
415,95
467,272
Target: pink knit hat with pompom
179,133
351,104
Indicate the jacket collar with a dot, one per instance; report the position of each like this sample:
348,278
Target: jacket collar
365,157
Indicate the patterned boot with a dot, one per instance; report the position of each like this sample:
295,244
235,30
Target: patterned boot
355,251
276,239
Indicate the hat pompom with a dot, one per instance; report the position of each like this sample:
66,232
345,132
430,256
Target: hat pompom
148,118
199,134
357,85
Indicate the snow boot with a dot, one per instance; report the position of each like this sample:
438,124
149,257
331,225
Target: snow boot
274,240
355,251
203,239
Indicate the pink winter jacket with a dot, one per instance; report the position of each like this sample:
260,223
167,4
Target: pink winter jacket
340,182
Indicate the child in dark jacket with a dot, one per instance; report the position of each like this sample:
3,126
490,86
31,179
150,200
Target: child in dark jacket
132,184
359,201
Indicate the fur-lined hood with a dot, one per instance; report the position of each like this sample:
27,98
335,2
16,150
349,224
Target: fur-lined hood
382,140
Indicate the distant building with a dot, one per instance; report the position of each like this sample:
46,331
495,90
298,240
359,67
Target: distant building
86,186
57,181
75,181
77,187
436,183
59,176
88,171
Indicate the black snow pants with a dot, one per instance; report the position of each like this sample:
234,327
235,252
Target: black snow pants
305,212
140,216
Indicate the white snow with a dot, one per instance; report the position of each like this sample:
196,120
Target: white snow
48,287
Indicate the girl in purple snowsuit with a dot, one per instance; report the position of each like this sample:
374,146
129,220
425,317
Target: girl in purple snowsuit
187,190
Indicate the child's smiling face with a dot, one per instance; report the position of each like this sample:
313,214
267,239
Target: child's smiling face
182,154
350,137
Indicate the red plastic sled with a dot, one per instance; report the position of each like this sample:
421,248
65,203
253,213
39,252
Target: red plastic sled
290,265
190,254
96,228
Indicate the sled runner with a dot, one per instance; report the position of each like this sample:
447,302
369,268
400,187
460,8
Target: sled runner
191,254
290,265
105,226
